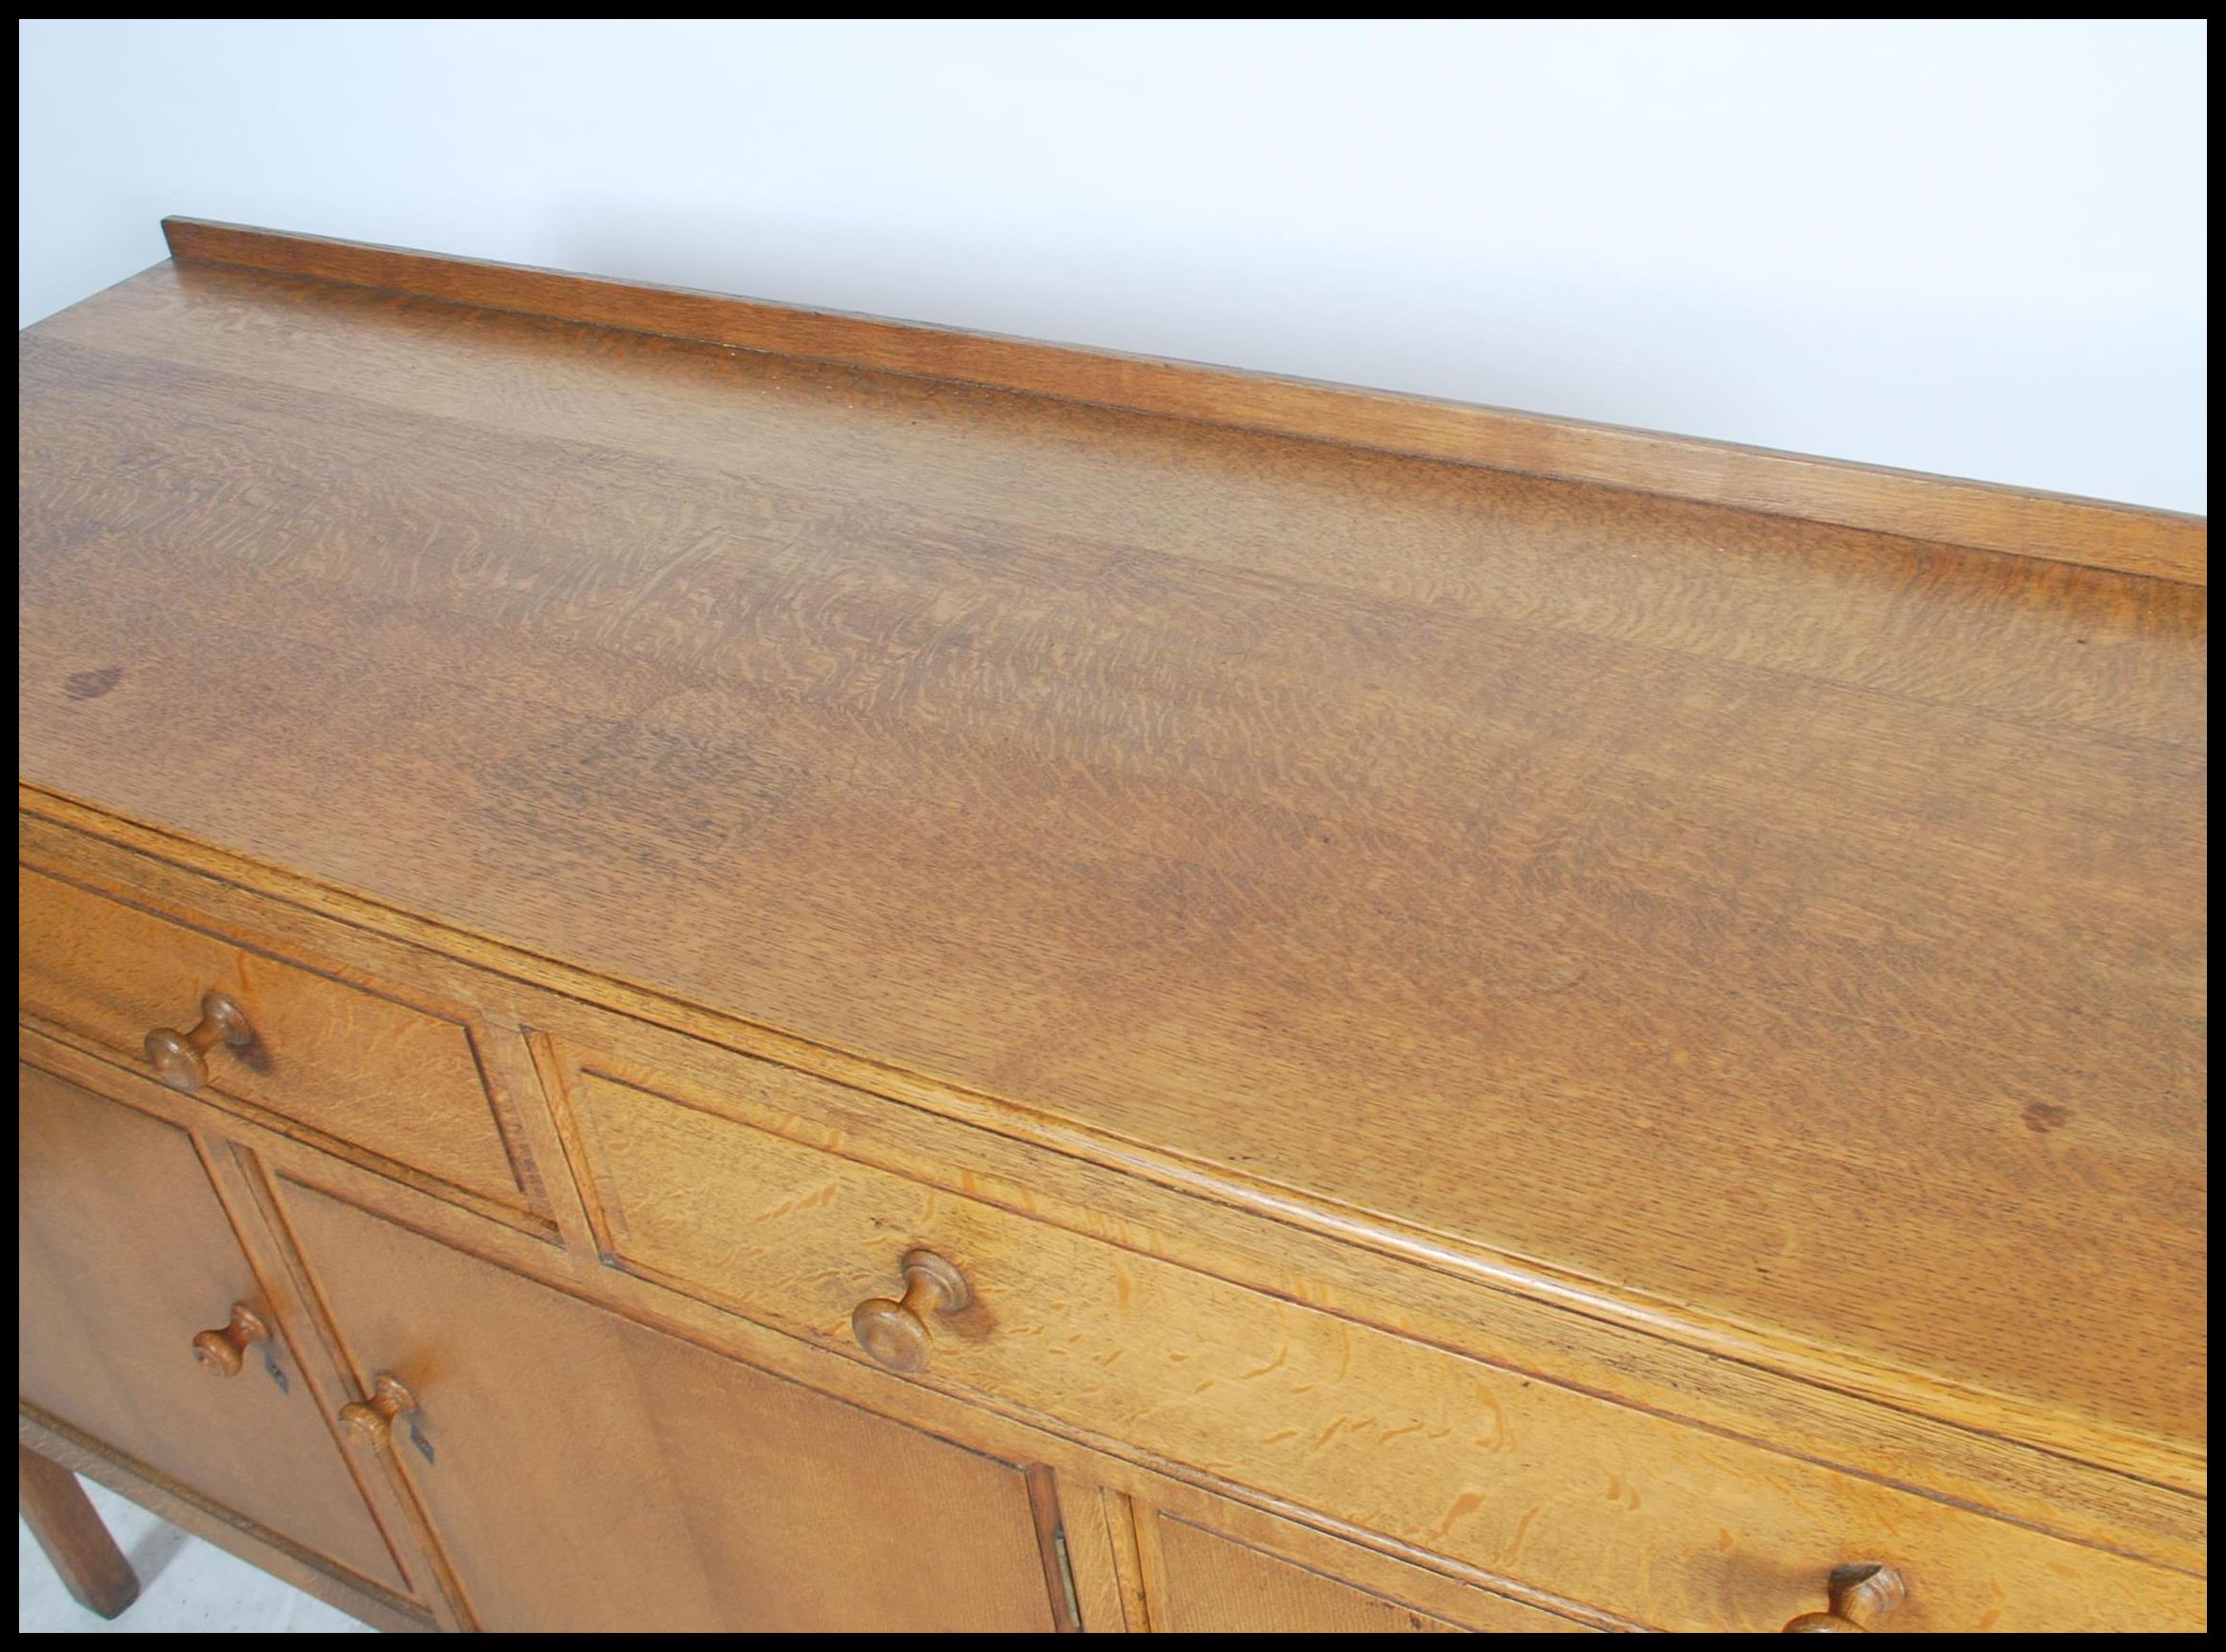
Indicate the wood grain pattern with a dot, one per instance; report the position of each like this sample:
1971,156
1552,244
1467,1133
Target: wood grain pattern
1209,1585
1079,1460
2161,543
222,1351
1857,1598
1119,1512
125,1254
70,1535
1280,1567
371,1420
895,1331
1652,866
243,1183
388,1076
1487,1465
1478,1046
1048,1174
588,1473
180,1060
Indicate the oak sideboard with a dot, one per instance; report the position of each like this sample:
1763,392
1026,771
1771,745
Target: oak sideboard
691,964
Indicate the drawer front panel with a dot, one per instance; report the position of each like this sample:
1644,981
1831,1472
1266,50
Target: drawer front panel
354,1062
1593,1500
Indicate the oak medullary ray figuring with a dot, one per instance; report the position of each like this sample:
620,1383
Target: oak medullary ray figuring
1501,1024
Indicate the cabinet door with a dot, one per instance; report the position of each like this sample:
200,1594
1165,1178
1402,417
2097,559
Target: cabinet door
125,1256
1215,1568
583,1472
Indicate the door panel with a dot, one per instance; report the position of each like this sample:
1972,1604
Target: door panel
124,1255
1216,1585
1212,1566
586,1473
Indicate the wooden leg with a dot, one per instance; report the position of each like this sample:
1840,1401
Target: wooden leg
62,1517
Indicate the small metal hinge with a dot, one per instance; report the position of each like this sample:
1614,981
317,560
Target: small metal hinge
1074,1606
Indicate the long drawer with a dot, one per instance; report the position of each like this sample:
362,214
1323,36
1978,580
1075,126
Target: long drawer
744,1198
353,1062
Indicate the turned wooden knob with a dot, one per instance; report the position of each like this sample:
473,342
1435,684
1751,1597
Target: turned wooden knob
181,1058
223,1352
1859,1596
373,1421
895,1332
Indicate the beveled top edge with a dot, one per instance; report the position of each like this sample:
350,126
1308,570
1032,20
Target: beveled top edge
1976,515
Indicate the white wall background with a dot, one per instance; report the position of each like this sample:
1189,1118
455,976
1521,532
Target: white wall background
1973,248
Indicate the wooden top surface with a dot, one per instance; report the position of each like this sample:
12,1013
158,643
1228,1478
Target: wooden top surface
1787,934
